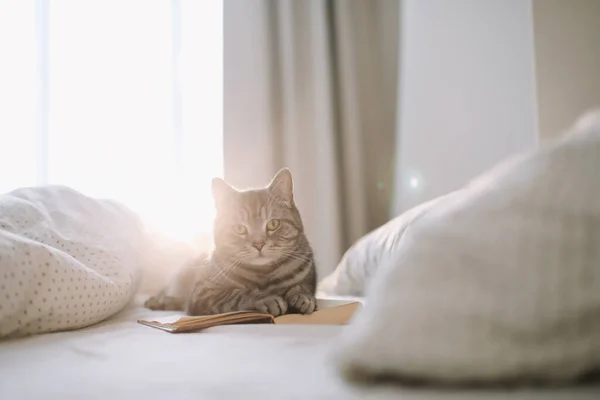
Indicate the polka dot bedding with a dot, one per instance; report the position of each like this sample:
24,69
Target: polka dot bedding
66,260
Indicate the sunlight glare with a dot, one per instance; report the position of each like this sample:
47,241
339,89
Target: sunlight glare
114,106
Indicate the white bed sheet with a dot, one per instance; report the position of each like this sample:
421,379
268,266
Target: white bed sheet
120,359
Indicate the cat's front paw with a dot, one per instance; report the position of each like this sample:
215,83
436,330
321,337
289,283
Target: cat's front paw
302,303
159,302
154,303
274,305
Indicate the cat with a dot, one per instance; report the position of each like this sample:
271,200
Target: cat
261,260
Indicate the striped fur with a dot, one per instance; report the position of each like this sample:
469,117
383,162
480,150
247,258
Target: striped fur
256,264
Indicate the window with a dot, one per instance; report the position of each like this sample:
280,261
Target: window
118,99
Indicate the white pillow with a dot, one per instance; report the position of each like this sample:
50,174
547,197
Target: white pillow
499,282
360,262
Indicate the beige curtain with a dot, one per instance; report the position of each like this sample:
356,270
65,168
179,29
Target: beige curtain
312,85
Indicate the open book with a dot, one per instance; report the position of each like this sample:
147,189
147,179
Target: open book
329,312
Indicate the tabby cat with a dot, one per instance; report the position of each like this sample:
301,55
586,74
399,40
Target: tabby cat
261,259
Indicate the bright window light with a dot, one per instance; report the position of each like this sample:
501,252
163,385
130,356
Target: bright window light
134,100
17,94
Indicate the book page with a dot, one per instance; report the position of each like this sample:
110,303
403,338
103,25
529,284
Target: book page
330,302
330,312
178,320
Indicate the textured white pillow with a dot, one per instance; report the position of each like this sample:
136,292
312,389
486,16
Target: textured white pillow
66,260
499,282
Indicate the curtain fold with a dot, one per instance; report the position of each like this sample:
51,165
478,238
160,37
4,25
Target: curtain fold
311,85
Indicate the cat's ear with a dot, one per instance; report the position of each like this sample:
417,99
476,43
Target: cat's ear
221,191
282,186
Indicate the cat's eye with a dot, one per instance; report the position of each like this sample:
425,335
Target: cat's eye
240,229
273,224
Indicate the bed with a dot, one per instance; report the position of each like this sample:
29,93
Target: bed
497,284
120,359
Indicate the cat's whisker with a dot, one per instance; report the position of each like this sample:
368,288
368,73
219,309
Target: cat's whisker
224,271
228,267
296,256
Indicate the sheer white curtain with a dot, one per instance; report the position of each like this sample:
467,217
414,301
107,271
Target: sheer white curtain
118,99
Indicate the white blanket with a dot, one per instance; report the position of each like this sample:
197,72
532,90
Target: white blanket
120,359
66,261
361,262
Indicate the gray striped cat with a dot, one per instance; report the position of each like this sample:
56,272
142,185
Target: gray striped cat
261,260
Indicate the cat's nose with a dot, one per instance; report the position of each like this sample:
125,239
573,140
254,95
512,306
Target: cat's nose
258,245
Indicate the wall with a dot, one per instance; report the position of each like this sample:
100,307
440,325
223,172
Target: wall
466,92
567,51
